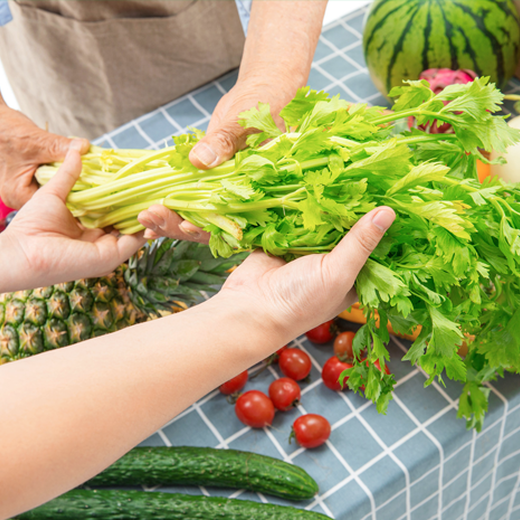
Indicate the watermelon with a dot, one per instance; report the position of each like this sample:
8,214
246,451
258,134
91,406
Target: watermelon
402,38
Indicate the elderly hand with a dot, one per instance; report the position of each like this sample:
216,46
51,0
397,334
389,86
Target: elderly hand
291,298
280,45
45,244
24,147
223,139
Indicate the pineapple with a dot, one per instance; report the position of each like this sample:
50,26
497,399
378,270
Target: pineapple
161,278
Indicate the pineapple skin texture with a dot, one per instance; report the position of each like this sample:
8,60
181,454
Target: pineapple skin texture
52,317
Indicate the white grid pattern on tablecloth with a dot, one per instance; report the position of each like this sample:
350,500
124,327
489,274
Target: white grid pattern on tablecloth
418,463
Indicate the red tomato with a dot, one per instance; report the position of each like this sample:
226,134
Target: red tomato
295,363
331,371
311,430
322,333
255,409
235,384
378,366
285,393
343,345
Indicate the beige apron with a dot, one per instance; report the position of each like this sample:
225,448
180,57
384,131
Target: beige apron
84,67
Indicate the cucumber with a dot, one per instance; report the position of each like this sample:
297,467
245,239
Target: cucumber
208,467
107,504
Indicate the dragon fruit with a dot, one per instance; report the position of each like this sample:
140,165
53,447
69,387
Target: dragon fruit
439,79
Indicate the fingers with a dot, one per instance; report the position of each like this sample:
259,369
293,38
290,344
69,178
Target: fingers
352,252
67,175
116,250
218,145
52,147
162,222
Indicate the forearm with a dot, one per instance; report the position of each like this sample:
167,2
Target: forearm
72,412
281,41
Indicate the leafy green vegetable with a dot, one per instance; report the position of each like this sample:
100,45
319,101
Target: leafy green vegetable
450,263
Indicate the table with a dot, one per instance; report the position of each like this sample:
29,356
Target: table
416,463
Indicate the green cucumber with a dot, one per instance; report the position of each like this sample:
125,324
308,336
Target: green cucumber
107,504
208,467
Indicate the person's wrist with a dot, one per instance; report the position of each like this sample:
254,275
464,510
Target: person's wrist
263,332
281,82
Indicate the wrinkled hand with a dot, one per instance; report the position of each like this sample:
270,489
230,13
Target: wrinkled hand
223,139
294,297
24,147
47,245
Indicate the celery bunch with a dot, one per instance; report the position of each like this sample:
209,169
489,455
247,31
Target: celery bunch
450,262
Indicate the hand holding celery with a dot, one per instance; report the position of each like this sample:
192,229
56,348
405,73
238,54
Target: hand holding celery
451,261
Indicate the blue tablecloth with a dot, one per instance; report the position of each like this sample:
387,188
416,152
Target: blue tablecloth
416,463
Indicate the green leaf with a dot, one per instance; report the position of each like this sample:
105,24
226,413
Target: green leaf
446,335
301,104
411,96
377,283
261,119
420,174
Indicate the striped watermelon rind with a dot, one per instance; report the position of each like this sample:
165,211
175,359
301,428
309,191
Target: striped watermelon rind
404,37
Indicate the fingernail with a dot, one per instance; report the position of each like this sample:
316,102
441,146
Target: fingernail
149,234
76,144
205,154
147,223
188,230
383,219
157,219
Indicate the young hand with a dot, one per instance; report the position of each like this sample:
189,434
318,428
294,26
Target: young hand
291,298
45,244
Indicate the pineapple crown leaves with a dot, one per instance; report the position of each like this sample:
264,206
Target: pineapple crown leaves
169,275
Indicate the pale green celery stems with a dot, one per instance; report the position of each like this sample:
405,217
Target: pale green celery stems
118,186
454,182
131,230
133,210
345,142
140,179
307,165
127,212
164,183
225,224
136,165
407,113
292,136
128,223
134,153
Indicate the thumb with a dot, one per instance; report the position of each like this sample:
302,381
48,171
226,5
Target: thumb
355,248
53,147
67,174
218,145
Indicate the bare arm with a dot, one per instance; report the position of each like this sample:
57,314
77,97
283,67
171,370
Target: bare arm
67,414
72,412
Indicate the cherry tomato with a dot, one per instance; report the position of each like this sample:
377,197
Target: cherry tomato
331,371
235,384
285,393
322,333
311,430
343,345
295,363
378,366
255,409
